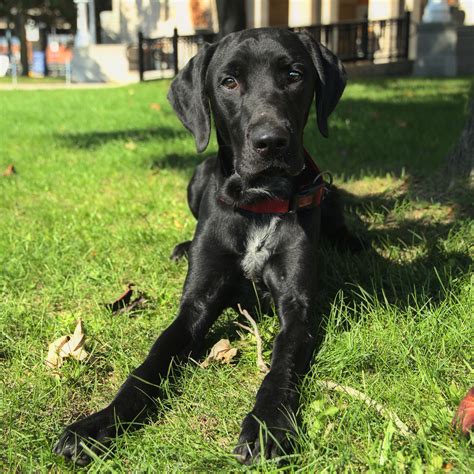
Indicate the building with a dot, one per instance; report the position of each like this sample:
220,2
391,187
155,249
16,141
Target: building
159,17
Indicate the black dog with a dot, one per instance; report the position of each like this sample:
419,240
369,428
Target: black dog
260,207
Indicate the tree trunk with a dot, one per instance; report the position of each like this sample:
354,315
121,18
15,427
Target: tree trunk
460,161
20,27
231,16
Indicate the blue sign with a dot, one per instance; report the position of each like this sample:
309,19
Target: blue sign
38,63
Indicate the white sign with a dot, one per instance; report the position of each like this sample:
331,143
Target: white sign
32,33
4,63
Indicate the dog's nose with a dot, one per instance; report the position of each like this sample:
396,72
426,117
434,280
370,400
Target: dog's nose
269,141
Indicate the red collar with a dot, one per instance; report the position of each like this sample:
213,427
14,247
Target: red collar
311,190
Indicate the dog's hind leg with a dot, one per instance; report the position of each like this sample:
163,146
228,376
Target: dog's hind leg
196,188
333,224
181,250
198,183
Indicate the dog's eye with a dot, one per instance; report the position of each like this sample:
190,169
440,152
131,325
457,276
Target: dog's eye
229,83
294,76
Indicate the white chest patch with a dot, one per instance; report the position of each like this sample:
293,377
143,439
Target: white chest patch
262,240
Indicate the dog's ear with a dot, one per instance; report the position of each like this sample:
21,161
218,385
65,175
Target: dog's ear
189,99
331,83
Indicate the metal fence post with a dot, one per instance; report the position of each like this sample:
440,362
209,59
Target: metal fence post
44,48
365,39
407,33
141,59
175,51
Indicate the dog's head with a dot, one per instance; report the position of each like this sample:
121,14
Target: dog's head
259,85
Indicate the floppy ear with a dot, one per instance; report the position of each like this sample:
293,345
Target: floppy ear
332,79
188,97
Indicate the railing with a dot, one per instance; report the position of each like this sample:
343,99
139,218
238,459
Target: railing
166,56
378,40
374,41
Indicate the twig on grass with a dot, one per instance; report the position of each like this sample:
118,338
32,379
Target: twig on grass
327,384
263,367
335,387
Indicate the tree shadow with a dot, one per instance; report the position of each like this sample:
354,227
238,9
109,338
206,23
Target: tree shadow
186,162
408,132
403,260
92,140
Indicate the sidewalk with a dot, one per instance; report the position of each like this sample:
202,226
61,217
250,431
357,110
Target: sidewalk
57,86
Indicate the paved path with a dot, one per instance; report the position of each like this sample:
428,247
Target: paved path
4,86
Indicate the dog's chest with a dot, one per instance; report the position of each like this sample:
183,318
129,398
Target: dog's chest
262,240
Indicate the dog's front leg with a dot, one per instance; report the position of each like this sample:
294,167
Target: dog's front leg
271,420
204,298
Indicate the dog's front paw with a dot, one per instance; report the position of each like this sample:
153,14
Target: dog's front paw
259,438
93,432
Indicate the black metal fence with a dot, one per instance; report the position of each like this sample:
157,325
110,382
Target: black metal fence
365,40
165,56
378,40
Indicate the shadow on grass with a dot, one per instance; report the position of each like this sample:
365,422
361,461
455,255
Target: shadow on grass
183,161
91,140
377,138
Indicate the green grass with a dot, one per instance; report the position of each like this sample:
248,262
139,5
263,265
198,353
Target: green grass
99,200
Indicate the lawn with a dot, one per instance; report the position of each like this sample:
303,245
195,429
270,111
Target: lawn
99,200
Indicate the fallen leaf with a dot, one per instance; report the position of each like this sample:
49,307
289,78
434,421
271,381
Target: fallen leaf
53,359
220,352
464,417
155,106
402,123
130,146
448,467
124,302
10,170
67,346
74,346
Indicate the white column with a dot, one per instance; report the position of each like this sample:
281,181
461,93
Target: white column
329,11
383,9
468,7
262,13
92,27
82,38
414,6
302,12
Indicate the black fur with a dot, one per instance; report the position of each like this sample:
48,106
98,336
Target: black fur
259,85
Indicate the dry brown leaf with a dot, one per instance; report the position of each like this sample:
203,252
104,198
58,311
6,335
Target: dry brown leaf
53,359
155,106
464,417
67,346
9,171
122,301
74,346
125,304
221,352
